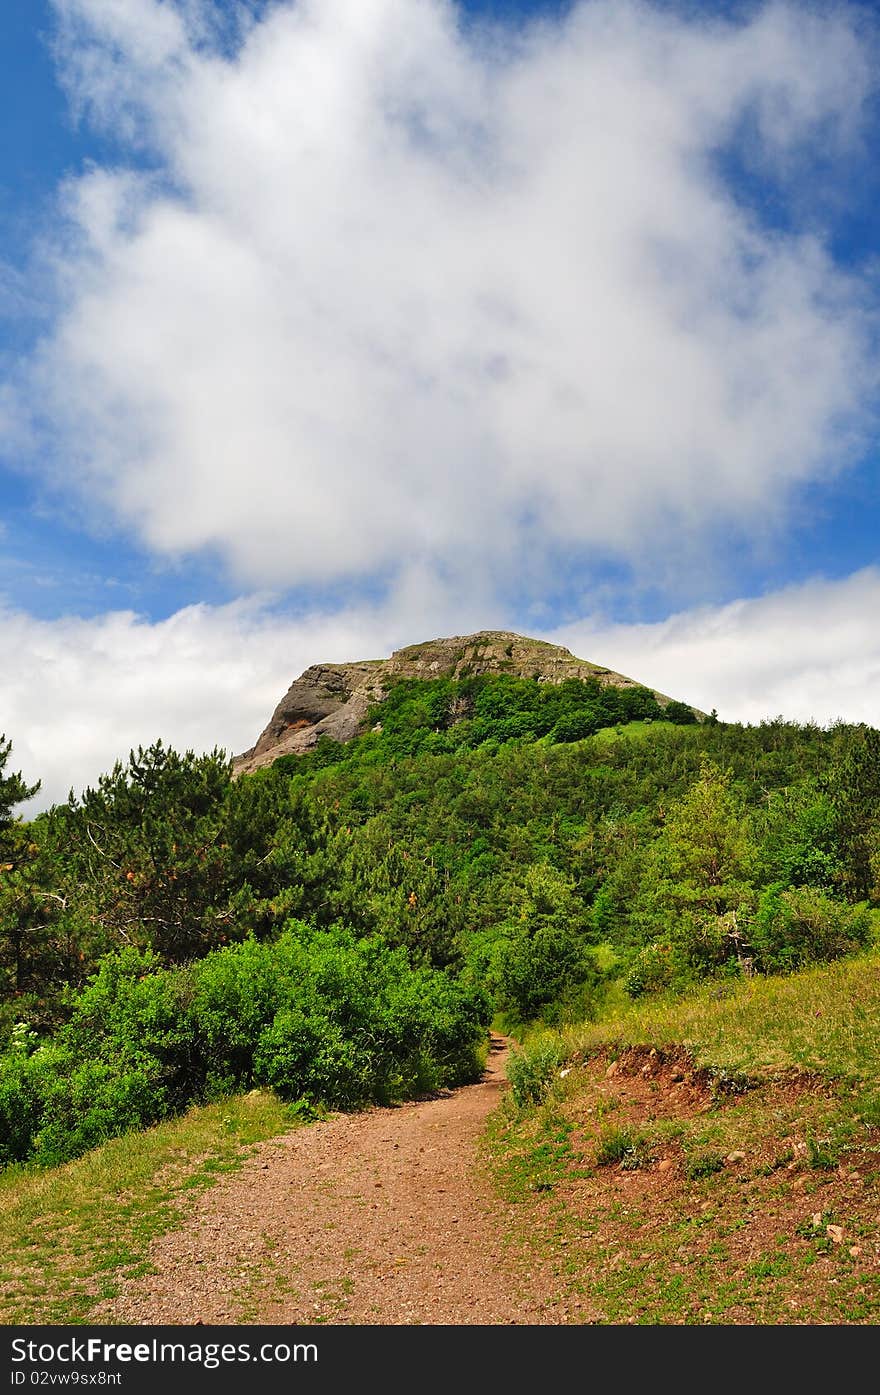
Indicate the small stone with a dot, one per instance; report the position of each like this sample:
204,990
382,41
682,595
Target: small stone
817,1219
612,1070
736,1156
835,1233
664,1165
798,1183
855,1251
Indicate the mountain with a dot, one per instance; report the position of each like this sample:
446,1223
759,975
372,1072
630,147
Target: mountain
334,699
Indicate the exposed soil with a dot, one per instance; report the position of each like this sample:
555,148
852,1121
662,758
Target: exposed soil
391,1216
739,1211
381,1217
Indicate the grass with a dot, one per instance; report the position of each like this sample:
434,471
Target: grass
725,1171
69,1234
623,1146
721,1156
606,736
825,1020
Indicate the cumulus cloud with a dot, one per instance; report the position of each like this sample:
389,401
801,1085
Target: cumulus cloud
809,652
390,292
82,693
85,692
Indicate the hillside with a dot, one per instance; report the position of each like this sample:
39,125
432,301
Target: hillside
334,700
502,839
625,1177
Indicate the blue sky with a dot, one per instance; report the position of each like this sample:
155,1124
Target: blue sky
408,317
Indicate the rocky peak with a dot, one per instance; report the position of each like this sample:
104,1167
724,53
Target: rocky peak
334,699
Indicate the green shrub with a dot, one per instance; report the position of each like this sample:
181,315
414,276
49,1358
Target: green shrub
322,1016
134,1016
96,1101
624,1146
822,1155
653,969
305,1056
20,1106
679,712
802,925
532,1069
541,954
703,1164
236,994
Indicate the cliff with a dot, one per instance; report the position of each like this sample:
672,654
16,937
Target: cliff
334,699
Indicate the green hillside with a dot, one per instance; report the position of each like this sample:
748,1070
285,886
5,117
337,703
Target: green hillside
343,925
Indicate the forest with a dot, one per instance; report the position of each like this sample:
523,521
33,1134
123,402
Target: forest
342,927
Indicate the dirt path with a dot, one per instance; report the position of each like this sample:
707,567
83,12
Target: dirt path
382,1217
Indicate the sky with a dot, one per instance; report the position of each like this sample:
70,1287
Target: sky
329,326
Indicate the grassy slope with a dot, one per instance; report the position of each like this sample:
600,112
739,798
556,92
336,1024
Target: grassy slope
67,1234
825,1020
711,1160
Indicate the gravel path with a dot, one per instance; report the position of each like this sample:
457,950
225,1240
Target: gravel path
382,1217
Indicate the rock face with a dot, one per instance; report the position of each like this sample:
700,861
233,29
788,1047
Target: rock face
334,699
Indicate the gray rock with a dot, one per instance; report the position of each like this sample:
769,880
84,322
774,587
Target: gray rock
334,699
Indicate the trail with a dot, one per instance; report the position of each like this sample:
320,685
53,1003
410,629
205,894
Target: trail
382,1217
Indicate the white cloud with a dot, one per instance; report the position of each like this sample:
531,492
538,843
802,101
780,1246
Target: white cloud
84,692
393,296
809,652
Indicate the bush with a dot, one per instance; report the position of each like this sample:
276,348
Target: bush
653,970
541,956
679,712
20,1106
306,1056
96,1101
622,1145
320,1015
532,1069
803,925
236,994
703,1163
134,1015
574,726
